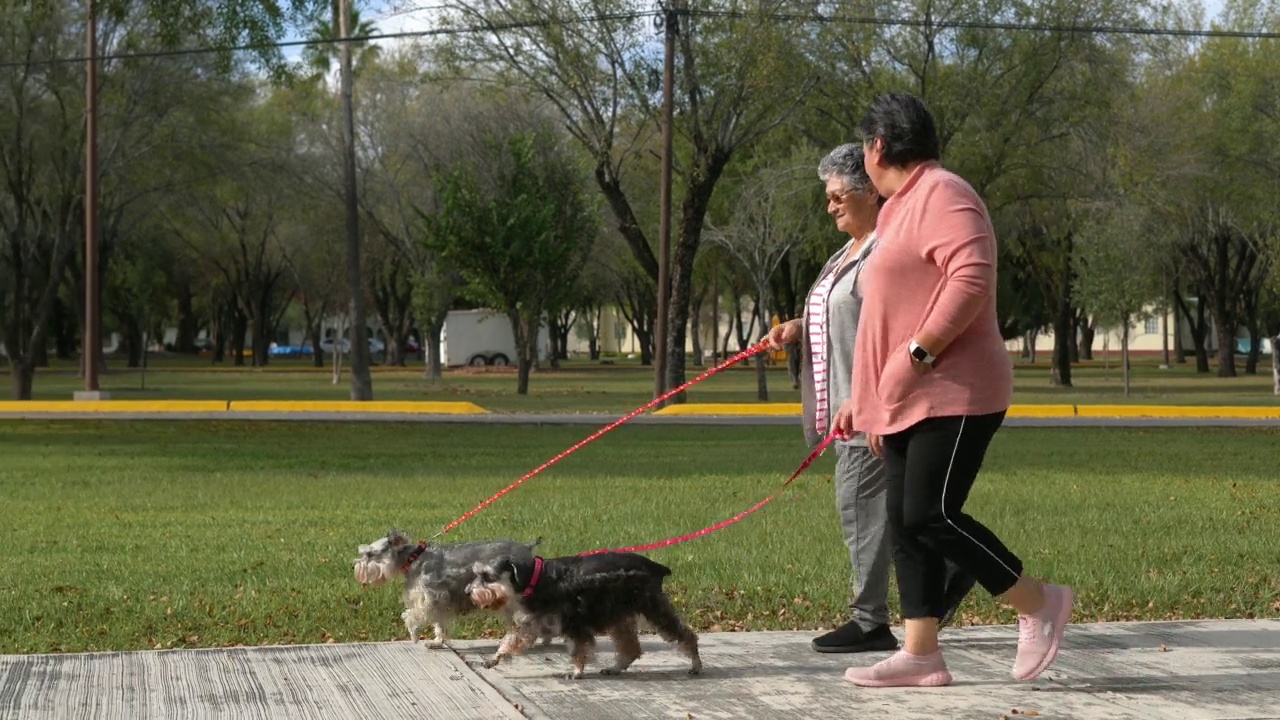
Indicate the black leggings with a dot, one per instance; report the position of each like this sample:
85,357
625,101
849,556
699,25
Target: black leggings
930,468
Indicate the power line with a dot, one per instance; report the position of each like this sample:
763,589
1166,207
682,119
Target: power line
498,27
988,25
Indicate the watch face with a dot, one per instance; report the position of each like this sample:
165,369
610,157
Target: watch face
919,353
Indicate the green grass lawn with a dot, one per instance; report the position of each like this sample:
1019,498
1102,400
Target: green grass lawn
582,386
128,535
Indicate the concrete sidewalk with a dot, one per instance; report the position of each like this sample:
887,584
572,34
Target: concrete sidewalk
1208,670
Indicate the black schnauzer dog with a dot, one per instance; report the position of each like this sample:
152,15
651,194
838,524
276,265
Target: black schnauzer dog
580,597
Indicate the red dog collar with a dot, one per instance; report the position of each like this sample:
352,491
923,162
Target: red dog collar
413,556
537,573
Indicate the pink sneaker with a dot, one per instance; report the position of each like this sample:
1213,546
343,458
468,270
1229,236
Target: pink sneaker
1040,635
902,669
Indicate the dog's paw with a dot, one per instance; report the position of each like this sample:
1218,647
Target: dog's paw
489,664
435,644
695,670
610,671
575,675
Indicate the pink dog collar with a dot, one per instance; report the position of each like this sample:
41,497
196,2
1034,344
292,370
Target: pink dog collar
537,573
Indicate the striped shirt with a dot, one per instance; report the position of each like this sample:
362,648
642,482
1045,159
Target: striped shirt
818,313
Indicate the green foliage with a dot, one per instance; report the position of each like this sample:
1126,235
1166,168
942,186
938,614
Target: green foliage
1118,263
518,225
520,235
221,24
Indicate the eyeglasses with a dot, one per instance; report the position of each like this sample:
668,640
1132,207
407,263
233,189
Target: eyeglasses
838,198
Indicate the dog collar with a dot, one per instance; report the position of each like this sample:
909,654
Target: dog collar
413,556
533,581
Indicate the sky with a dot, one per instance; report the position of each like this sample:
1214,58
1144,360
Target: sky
396,16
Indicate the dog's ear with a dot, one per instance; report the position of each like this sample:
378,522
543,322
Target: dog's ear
507,566
397,538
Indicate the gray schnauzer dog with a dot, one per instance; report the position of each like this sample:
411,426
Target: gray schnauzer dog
436,577
580,597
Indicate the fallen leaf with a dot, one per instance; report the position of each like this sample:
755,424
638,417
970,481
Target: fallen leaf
1031,713
1164,648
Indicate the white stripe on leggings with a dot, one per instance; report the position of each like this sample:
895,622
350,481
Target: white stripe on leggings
945,482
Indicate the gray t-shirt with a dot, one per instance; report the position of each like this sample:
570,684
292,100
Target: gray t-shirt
844,305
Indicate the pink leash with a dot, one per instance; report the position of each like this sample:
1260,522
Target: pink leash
749,352
822,446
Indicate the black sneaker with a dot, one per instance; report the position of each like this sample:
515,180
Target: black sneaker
851,638
958,587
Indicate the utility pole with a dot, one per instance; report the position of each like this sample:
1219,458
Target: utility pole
361,381
670,26
91,352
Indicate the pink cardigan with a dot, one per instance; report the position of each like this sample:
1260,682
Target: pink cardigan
933,271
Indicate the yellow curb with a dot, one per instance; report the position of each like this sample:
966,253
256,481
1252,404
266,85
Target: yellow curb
731,409
1178,411
113,406
356,406
1041,411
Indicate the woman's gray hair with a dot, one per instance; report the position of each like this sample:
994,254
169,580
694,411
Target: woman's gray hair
846,163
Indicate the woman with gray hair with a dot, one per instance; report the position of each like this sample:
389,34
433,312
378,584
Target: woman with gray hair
826,333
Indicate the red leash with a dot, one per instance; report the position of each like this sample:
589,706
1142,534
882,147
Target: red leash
821,448
753,350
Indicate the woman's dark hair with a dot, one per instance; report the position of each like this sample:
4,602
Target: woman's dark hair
905,127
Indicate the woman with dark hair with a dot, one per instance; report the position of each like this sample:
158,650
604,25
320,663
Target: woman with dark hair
932,381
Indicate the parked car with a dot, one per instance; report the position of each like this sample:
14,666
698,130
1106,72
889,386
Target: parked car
303,350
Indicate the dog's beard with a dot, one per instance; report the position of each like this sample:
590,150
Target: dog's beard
488,597
370,572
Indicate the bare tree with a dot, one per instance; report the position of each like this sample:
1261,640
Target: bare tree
766,222
741,73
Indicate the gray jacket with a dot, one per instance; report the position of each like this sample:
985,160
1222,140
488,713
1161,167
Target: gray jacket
839,387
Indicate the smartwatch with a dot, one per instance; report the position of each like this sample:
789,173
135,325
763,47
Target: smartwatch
919,353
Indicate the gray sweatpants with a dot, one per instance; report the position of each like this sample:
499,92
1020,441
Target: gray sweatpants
860,500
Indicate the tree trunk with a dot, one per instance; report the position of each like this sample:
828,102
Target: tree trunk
525,333
715,313
239,328
22,376
1064,325
695,324
188,324
1164,340
261,337
1225,329
1197,328
1124,355
433,369
704,175
1255,352
40,355
1088,331
1275,365
553,337
64,332
314,332
594,311
1179,351
695,332
132,343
